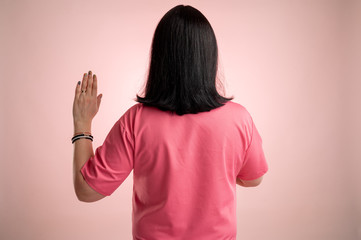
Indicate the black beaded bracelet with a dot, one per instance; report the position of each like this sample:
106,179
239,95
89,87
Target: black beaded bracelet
79,136
73,140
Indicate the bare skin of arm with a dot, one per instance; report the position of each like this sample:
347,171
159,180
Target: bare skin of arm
250,183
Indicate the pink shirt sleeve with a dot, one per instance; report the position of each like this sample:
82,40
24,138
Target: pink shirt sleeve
254,164
112,162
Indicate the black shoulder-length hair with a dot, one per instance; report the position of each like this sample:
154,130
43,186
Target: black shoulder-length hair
183,64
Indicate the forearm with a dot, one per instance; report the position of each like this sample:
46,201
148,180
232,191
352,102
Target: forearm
83,150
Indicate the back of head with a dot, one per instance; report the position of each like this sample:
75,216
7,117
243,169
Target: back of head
183,66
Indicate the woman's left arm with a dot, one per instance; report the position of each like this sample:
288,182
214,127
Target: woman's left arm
85,107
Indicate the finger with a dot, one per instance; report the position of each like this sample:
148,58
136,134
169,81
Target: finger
95,85
90,83
84,82
77,90
99,100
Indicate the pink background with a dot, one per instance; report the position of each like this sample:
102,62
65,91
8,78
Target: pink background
295,65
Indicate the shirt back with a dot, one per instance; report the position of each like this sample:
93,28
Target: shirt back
184,169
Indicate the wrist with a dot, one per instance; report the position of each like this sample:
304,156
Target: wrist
80,127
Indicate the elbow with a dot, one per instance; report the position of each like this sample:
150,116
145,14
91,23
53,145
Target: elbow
81,198
84,196
80,193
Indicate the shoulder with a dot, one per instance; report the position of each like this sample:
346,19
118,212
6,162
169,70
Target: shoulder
241,117
238,110
128,117
235,105
132,111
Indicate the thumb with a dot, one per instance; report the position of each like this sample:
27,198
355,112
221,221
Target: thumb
99,99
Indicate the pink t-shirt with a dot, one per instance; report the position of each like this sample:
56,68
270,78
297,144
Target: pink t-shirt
185,169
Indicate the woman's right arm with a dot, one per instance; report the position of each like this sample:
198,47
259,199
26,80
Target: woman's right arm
249,183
